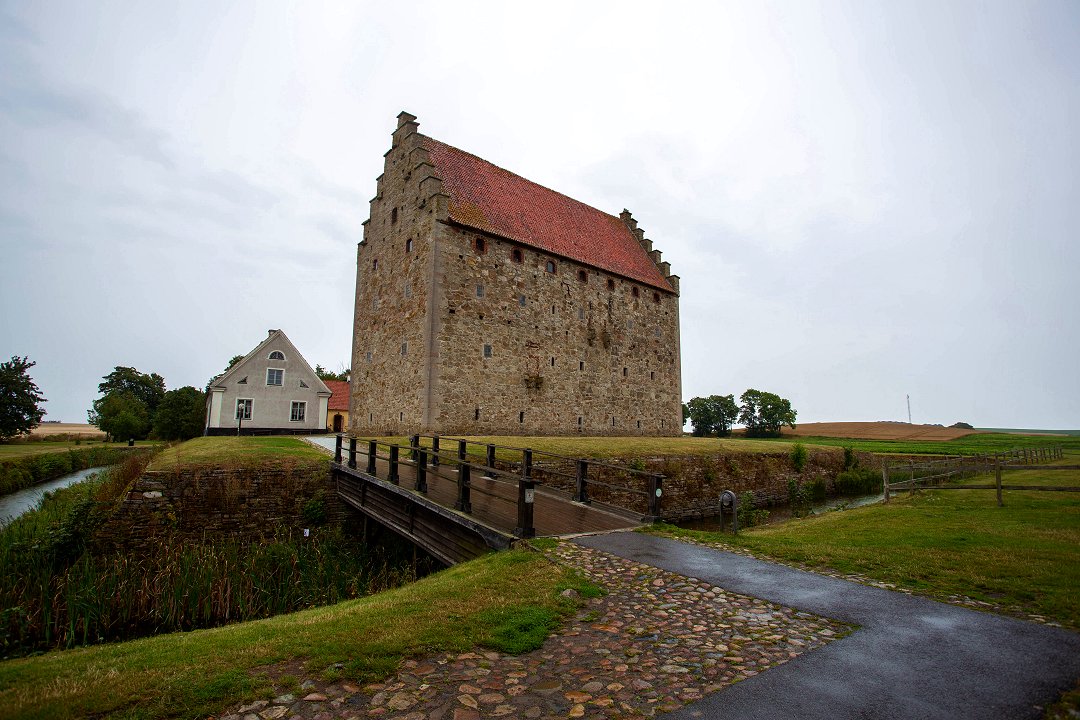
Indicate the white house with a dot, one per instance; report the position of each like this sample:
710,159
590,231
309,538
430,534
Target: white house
272,391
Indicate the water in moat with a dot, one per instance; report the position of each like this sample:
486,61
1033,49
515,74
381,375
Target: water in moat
15,504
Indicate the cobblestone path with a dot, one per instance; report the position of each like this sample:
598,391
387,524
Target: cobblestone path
653,643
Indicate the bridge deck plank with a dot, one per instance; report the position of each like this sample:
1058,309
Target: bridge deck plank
494,503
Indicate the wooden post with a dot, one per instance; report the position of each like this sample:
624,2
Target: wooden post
582,493
885,479
491,458
911,477
464,501
372,449
997,481
656,492
526,498
393,477
352,452
421,472
337,449
435,451
526,462
414,443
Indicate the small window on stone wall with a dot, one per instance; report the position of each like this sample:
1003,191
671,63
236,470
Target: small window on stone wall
583,276
639,424
625,372
487,351
476,414
579,420
408,245
652,375
612,421
550,266
634,291
408,290
368,356
481,245
521,416
581,365
521,300
480,291
393,215
656,297
401,417
552,362
610,284
517,256
405,348
552,309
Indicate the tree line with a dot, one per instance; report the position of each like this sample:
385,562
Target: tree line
762,413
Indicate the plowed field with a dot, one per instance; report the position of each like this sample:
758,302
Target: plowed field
877,431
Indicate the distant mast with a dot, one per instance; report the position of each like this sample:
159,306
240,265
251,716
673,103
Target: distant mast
908,409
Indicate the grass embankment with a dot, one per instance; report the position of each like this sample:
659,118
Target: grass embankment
48,462
507,601
237,451
1023,556
601,448
976,444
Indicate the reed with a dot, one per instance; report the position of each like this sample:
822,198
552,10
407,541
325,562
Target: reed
56,592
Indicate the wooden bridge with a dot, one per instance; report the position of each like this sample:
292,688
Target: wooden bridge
458,499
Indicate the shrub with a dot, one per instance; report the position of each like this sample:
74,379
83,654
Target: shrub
816,490
851,461
798,457
858,481
798,498
749,515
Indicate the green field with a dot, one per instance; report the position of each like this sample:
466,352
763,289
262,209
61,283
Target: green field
974,444
9,451
1024,556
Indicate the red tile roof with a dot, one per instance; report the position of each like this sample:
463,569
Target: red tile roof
487,198
339,400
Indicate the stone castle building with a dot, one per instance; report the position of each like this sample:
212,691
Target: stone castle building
488,304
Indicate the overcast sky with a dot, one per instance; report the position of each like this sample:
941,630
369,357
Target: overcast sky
864,200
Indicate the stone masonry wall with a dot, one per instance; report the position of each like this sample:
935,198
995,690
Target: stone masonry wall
456,335
213,503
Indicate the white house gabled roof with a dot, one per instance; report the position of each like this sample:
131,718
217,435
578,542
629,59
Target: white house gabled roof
319,387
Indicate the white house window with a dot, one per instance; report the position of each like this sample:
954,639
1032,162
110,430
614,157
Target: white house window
277,355
243,409
274,376
296,413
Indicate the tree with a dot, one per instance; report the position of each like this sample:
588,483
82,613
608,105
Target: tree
764,413
181,414
235,359
713,414
122,416
149,389
325,374
20,398
128,403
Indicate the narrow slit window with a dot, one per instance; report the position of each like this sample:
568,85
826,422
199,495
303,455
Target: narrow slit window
583,276
639,424
610,284
652,375
579,421
487,351
550,266
405,348
612,421
581,313
408,245
521,300
656,297
408,290
517,256
401,417
581,365
393,215
476,414
480,291
625,372
521,416
375,264
481,246
634,291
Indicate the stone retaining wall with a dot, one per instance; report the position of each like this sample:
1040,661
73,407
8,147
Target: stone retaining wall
218,503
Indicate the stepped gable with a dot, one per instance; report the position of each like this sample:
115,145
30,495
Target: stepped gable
488,198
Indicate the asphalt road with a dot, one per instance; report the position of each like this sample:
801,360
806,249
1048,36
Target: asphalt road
910,658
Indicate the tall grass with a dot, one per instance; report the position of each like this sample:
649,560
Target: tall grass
23,471
57,592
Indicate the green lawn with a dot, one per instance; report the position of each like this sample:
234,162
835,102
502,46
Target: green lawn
232,451
508,601
1025,555
9,451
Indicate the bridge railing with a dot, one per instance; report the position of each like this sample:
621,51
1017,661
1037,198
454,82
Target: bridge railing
527,468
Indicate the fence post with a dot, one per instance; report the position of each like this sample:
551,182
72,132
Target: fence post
414,443
656,491
372,449
526,498
421,472
352,452
337,449
997,481
582,494
490,460
911,477
393,477
885,479
435,451
464,501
